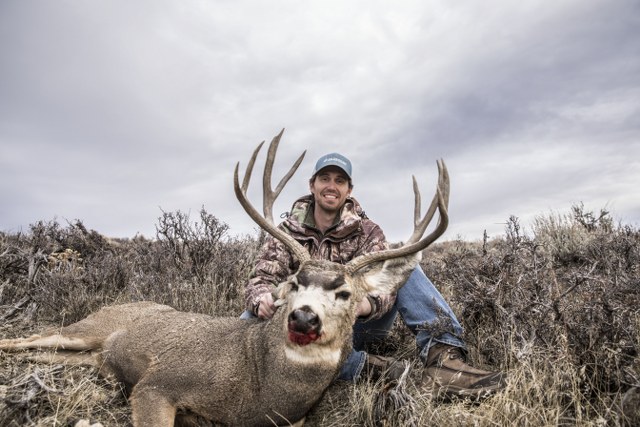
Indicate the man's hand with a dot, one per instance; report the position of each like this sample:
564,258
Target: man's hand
364,308
383,304
266,309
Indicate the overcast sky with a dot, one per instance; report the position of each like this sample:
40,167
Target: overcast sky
113,111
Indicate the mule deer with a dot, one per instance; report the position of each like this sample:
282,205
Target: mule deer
243,372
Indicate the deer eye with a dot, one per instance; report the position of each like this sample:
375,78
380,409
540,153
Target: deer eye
344,295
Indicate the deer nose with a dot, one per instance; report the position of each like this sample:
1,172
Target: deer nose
304,320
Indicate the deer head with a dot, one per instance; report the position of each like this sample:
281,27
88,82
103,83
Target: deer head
321,296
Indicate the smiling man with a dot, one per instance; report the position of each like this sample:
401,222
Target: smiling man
332,225
330,188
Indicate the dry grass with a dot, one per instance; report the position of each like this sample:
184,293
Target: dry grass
50,394
558,310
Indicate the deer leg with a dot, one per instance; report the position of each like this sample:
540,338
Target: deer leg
68,357
151,409
50,341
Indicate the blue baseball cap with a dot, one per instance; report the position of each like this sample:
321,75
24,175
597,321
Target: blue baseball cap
333,159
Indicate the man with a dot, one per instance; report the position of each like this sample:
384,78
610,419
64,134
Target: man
332,225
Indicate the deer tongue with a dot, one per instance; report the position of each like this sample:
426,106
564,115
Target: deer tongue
303,338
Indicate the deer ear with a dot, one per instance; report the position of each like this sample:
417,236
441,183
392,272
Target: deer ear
280,292
388,276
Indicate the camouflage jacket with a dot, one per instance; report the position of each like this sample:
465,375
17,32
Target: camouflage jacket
353,235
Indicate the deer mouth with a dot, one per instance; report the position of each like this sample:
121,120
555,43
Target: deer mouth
303,339
303,326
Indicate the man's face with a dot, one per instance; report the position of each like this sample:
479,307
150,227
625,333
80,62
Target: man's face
330,188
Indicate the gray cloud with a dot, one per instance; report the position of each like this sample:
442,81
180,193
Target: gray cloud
111,110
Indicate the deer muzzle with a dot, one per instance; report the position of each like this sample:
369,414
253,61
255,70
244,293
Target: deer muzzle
304,326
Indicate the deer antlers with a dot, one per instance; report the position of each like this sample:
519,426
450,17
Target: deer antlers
269,196
415,243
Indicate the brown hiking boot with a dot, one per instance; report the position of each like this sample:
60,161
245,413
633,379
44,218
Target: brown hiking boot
390,369
447,375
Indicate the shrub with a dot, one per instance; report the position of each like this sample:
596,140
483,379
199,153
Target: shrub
558,308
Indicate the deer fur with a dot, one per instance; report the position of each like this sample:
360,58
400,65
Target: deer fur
230,371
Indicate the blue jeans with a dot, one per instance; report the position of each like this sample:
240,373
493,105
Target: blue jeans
423,310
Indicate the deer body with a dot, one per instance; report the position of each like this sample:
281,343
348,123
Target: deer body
242,372
228,370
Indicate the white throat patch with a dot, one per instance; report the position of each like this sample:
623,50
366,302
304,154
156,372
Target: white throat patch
313,354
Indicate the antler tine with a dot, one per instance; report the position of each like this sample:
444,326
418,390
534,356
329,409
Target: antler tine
252,161
416,243
420,224
266,221
271,195
443,180
417,208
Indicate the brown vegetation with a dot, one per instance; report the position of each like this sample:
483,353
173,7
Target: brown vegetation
558,309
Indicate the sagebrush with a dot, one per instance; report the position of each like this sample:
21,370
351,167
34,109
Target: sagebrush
557,307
